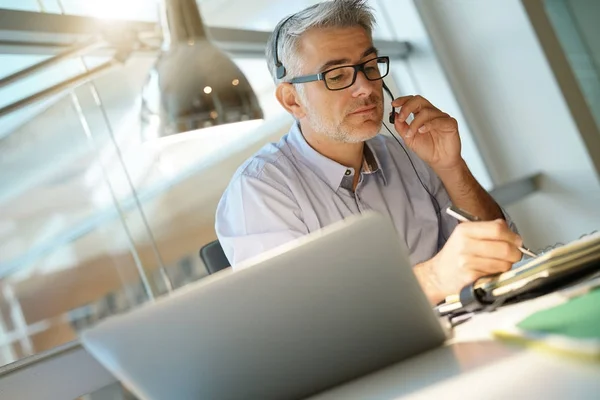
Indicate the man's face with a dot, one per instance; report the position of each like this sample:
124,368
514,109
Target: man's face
349,115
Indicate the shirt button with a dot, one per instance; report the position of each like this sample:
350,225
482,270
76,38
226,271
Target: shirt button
348,172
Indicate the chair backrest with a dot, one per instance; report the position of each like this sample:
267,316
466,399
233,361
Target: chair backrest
213,257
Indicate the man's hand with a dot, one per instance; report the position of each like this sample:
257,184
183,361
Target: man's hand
432,135
474,249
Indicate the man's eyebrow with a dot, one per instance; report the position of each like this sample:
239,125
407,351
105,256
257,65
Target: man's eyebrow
332,63
370,50
345,61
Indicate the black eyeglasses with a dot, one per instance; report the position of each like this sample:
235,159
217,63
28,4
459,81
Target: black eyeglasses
339,78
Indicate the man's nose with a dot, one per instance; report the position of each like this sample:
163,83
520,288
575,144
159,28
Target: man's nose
362,86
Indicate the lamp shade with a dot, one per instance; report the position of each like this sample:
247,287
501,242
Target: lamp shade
193,83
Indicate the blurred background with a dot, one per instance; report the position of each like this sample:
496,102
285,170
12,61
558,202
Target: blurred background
99,213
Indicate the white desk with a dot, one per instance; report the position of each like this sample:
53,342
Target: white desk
474,366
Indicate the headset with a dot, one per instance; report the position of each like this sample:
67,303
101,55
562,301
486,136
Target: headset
280,73
436,204
392,116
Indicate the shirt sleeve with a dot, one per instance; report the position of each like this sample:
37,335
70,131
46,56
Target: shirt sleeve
447,223
437,189
254,216
509,221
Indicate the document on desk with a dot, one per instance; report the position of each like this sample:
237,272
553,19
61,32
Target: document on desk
567,263
561,260
571,328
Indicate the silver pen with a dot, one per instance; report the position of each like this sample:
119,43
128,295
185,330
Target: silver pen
464,216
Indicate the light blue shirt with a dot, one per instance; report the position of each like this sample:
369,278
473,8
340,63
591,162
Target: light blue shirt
288,190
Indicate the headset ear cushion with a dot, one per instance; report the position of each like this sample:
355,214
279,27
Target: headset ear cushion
280,71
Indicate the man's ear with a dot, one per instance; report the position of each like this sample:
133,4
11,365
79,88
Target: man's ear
288,97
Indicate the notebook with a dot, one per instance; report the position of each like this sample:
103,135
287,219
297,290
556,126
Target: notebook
567,264
574,256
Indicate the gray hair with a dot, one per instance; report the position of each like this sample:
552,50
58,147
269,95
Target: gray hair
328,14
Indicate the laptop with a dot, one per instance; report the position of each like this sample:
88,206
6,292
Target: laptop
310,315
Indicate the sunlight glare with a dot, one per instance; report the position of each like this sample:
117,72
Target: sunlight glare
119,9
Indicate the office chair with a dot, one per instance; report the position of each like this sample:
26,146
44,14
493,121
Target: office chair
213,257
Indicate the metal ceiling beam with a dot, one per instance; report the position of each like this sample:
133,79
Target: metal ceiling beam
58,29
24,32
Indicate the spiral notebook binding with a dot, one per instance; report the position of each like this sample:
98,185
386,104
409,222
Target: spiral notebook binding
559,244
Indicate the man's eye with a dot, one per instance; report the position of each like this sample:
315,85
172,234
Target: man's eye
335,78
371,69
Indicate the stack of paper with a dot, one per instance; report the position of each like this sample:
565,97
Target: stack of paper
561,260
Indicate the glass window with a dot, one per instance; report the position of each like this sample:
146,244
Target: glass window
140,10
94,221
66,257
91,218
263,15
22,5
576,25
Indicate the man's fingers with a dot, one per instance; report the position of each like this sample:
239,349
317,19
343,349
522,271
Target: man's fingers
443,123
422,117
401,127
490,230
413,105
476,267
492,249
400,101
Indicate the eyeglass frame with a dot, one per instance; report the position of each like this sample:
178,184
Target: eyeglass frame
357,68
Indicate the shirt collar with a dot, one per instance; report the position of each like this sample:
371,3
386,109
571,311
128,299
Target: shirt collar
332,172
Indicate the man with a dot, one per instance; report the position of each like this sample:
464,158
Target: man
333,163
